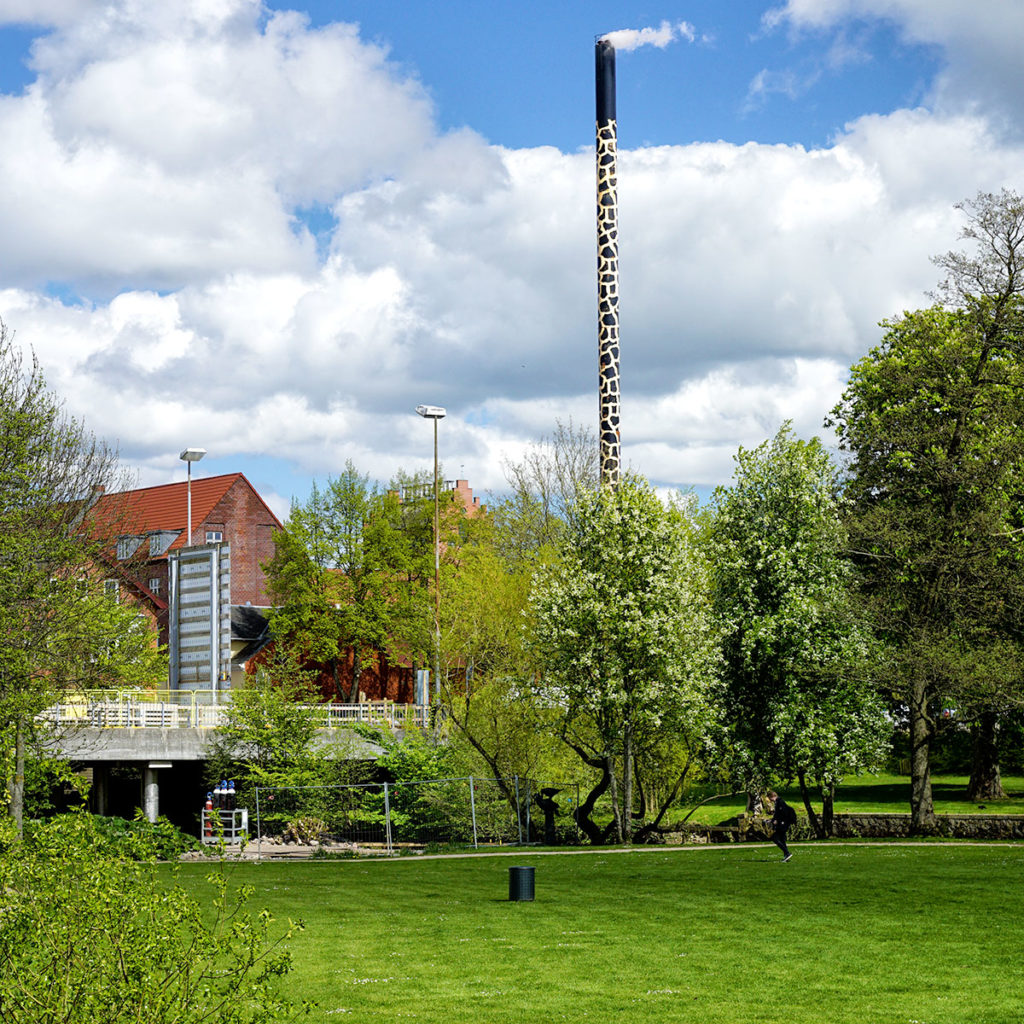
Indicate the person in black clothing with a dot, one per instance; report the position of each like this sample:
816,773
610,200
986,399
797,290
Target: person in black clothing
782,817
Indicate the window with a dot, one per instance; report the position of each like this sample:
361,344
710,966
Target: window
127,546
110,589
214,536
161,541
154,584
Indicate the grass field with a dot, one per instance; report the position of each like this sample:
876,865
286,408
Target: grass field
885,793
843,933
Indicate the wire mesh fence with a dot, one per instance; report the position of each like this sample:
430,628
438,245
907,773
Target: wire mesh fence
466,811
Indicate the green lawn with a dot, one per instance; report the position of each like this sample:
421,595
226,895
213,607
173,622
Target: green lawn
884,793
842,933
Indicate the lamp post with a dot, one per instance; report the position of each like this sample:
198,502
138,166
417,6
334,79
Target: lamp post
435,413
188,456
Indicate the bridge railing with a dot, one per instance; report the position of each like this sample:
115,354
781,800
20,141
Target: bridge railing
174,709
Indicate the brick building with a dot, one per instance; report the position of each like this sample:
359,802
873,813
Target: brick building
152,528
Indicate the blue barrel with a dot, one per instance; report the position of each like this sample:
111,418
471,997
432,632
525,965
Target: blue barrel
520,884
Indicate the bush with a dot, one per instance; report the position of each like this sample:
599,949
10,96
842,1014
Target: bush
91,930
138,839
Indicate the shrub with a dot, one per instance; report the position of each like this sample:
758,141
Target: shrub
138,839
92,930
306,831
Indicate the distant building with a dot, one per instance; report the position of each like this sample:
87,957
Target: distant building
232,530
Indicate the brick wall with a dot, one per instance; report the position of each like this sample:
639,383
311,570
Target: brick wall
248,526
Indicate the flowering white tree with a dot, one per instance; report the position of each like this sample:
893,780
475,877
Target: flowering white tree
799,697
622,625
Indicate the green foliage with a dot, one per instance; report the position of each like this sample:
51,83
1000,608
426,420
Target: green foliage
348,573
269,738
797,661
90,934
481,615
58,628
415,757
138,839
622,627
931,421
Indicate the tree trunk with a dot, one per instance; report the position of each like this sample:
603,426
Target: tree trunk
357,671
828,807
922,811
985,783
627,779
17,788
596,835
812,817
755,802
337,680
610,769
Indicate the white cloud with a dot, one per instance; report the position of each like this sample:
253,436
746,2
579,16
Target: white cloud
980,44
157,163
159,145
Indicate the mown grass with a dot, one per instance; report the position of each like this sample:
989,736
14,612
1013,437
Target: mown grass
881,794
847,934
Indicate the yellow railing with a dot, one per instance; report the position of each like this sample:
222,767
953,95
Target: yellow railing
186,709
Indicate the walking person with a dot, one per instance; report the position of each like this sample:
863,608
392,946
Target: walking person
783,816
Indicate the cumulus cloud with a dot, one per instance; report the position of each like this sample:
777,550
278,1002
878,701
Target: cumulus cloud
159,166
179,144
981,47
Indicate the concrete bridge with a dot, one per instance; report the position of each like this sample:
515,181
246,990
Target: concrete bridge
159,747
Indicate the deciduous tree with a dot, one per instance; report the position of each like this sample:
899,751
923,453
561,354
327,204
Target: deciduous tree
59,626
621,628
799,699
340,576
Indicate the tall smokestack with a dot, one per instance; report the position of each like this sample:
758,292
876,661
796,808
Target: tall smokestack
607,263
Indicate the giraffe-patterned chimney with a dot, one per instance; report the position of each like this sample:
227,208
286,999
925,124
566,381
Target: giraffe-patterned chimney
607,263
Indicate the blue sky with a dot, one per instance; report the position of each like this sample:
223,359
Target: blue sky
273,231
522,73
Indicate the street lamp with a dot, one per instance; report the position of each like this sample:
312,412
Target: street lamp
435,413
190,455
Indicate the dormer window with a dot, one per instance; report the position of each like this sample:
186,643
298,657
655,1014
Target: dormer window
214,536
127,546
160,541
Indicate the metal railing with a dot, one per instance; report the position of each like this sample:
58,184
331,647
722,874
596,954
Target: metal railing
182,709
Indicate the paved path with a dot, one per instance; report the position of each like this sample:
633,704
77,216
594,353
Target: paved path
305,853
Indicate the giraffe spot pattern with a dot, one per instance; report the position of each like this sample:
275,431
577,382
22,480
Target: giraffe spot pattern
608,302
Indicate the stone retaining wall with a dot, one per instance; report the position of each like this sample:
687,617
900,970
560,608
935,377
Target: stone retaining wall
851,826
954,826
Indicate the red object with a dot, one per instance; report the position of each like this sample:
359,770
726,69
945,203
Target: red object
209,812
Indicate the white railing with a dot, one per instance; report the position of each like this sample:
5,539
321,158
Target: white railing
183,711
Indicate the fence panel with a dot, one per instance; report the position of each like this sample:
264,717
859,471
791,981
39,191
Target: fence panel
467,811
354,813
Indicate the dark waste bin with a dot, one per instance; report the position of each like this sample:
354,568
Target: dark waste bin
520,884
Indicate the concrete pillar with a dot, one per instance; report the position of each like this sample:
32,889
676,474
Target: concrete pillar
150,793
100,787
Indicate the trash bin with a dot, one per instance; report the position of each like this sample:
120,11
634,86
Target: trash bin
520,884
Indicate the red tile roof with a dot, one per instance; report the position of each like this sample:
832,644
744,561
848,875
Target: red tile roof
166,507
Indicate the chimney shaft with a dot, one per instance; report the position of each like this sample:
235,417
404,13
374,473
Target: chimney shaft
607,263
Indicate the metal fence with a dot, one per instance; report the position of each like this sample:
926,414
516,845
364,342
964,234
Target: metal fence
389,817
192,709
